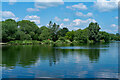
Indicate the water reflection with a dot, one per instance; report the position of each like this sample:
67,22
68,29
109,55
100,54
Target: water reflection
61,61
28,55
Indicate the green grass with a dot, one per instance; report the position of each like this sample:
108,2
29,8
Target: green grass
25,42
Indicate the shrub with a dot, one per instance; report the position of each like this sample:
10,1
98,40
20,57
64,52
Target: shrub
25,42
102,40
47,42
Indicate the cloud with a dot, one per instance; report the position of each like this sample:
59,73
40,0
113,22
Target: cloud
61,25
105,5
78,22
33,18
57,19
70,27
79,6
11,2
32,9
116,17
8,15
114,25
48,0
83,15
43,4
66,20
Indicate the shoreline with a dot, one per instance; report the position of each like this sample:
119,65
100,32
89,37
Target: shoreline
3,43
49,43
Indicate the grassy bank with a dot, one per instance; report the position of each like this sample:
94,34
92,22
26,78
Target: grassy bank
49,42
34,42
25,42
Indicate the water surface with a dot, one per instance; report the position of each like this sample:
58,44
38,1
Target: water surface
70,61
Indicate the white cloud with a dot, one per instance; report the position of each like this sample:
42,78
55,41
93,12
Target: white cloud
33,18
66,19
11,2
116,17
83,15
61,25
114,25
8,15
105,5
48,0
78,22
43,4
57,19
47,3
108,30
32,9
79,6
70,27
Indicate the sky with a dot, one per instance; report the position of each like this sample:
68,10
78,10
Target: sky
73,15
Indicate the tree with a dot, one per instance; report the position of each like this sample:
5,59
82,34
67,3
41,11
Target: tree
117,34
45,33
20,35
62,32
113,37
81,35
32,34
104,36
94,31
9,28
54,29
50,25
27,26
70,35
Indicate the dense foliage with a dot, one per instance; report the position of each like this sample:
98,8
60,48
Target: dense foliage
27,30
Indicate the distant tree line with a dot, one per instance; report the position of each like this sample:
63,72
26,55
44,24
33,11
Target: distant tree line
27,30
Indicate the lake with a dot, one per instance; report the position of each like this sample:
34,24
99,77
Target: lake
63,61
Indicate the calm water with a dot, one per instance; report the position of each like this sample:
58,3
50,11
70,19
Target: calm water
71,61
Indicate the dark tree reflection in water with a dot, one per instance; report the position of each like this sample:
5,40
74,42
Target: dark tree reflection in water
87,60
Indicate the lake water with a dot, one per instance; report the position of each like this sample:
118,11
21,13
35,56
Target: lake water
68,61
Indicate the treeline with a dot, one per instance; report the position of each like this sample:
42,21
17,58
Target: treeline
27,30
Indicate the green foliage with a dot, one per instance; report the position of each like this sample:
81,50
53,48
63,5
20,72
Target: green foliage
27,26
62,40
25,42
113,37
27,32
54,29
45,33
62,32
28,29
47,42
104,36
94,32
81,35
9,28
70,35
20,35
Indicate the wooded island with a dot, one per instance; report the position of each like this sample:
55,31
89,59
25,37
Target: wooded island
27,32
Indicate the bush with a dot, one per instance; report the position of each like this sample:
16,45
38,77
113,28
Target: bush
90,41
25,42
68,41
102,41
47,42
59,42
75,41
62,39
